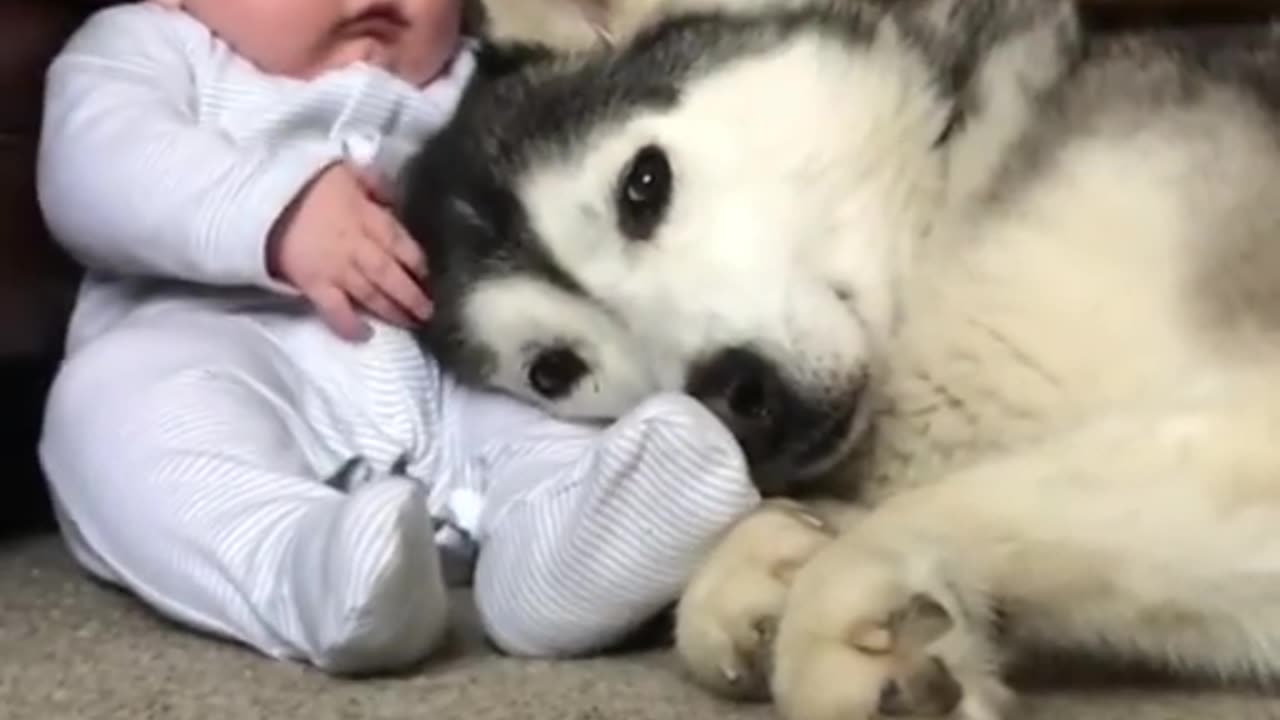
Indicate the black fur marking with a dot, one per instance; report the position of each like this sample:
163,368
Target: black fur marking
494,61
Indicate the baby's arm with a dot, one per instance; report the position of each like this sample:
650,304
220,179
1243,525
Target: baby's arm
591,532
128,179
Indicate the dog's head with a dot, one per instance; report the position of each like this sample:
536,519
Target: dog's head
725,206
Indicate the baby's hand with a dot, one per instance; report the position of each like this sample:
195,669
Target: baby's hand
341,247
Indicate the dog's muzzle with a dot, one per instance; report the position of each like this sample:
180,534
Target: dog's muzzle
780,426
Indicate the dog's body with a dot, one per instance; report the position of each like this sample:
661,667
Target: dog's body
1047,268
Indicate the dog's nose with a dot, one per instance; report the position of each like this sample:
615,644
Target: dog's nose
774,421
745,392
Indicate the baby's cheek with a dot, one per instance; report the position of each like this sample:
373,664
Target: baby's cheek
432,41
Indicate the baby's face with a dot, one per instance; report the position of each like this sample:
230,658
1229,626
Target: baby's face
412,38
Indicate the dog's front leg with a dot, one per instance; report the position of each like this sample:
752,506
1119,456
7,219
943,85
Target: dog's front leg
727,615
1153,533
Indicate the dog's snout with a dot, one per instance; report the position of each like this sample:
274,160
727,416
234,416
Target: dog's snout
773,420
745,392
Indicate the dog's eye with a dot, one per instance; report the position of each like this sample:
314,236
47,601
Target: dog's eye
555,371
644,192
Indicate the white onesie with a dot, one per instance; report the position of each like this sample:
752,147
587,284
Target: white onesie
195,432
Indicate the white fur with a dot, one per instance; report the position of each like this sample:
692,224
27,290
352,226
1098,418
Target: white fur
1075,376
1073,418
1061,431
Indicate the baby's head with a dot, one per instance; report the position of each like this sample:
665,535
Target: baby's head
414,39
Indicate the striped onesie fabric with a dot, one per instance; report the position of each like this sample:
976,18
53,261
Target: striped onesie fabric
214,449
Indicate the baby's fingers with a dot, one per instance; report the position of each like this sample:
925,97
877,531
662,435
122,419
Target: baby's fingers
408,252
391,279
338,313
392,236
361,287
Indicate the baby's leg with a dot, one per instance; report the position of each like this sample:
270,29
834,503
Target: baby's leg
183,471
590,532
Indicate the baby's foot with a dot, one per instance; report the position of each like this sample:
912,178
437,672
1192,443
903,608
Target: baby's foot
367,577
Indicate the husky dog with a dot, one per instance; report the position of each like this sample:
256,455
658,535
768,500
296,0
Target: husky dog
1009,290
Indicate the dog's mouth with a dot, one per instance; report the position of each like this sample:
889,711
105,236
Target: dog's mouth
821,453
830,443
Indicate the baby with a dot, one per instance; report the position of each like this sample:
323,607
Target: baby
244,434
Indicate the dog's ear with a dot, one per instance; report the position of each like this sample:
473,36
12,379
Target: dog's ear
994,59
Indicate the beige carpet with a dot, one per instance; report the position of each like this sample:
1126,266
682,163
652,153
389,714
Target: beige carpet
70,649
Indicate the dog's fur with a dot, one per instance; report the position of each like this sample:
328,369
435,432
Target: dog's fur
567,26
1046,264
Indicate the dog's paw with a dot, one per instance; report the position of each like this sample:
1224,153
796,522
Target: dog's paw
862,638
727,616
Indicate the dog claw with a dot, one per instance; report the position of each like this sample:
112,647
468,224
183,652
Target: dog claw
733,677
812,520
